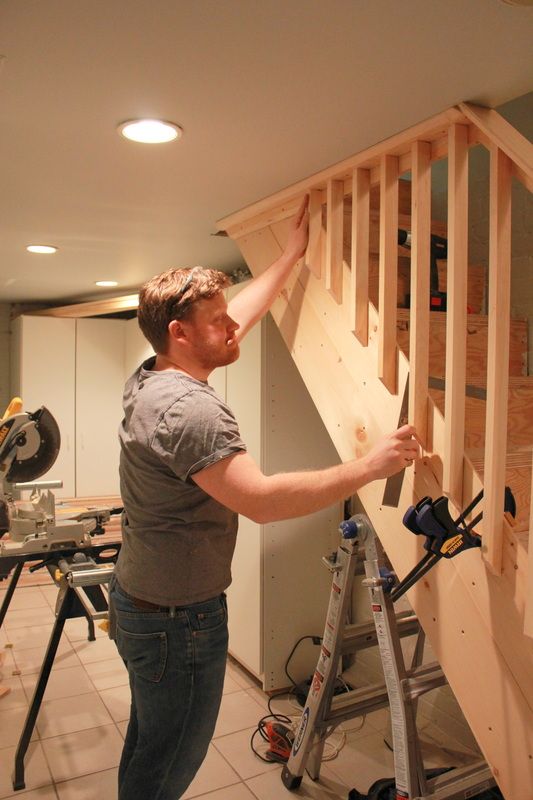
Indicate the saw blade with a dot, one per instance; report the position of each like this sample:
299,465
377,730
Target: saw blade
39,451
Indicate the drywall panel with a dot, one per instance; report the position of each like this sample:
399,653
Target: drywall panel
43,373
100,359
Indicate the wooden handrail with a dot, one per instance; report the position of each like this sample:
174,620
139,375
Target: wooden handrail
261,213
500,133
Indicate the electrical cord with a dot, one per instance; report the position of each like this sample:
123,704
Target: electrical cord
316,640
279,739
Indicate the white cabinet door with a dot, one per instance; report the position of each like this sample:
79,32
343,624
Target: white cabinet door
100,375
43,373
243,395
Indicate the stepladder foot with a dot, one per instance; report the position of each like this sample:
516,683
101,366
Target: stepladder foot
290,781
18,782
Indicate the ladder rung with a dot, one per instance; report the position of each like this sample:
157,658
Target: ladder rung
461,781
363,635
423,679
355,703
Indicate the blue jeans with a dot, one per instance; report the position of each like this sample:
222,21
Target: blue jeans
176,660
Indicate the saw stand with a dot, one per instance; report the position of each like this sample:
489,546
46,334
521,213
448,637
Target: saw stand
323,711
80,580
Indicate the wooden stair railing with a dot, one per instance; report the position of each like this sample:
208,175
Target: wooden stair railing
449,135
340,321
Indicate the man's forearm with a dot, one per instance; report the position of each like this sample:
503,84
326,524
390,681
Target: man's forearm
253,302
237,482
289,495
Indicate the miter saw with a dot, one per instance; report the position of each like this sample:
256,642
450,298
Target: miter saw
29,446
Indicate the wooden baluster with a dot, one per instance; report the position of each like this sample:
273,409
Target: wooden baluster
313,256
360,254
388,271
420,264
497,356
334,240
454,409
528,614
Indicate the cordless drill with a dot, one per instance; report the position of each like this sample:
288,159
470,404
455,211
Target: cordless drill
438,249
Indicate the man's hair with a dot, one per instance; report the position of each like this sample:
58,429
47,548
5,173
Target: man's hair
172,295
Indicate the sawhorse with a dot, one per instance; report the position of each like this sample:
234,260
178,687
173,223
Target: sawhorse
80,595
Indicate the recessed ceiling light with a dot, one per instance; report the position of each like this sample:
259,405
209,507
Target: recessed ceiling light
106,283
41,248
150,131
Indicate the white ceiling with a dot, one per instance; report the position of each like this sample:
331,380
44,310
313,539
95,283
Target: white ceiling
267,92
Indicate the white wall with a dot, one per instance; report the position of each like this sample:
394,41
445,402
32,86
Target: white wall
5,310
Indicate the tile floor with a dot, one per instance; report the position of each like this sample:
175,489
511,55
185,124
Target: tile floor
78,738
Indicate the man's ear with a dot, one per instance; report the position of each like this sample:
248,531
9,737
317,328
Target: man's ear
176,331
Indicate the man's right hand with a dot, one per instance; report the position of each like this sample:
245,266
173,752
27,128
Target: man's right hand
393,453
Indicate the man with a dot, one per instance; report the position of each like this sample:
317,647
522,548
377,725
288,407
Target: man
185,476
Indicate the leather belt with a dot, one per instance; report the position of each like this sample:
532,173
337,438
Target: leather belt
145,605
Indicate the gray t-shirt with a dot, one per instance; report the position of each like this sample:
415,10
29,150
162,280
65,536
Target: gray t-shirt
177,540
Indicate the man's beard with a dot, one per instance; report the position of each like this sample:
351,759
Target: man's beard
209,358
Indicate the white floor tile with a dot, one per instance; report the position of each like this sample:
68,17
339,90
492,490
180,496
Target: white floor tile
103,785
102,649
118,702
236,792
107,674
43,793
30,661
214,773
27,638
237,711
36,772
122,727
230,684
11,724
16,697
50,593
77,630
69,682
7,662
269,786
70,714
240,675
77,754
362,761
235,747
25,597
29,617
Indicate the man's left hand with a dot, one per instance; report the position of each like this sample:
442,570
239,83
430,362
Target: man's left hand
298,233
